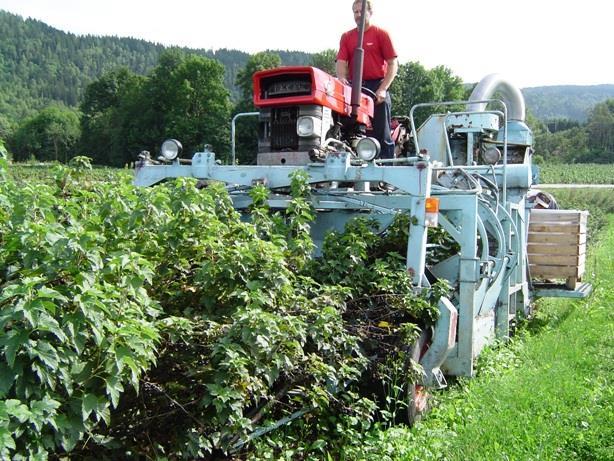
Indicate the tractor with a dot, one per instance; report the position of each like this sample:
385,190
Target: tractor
468,172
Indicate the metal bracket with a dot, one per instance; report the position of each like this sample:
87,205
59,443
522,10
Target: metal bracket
436,379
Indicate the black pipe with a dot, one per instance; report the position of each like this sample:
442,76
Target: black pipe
359,55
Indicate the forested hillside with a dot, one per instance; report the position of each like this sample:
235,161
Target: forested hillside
566,101
110,98
40,64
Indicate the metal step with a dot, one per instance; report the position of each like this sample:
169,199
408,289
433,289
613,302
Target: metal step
555,290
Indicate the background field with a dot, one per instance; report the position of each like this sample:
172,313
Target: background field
580,173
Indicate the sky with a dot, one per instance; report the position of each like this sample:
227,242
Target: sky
529,42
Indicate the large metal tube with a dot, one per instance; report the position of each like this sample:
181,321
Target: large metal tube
359,56
510,94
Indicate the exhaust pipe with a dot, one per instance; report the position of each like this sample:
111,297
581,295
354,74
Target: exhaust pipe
359,56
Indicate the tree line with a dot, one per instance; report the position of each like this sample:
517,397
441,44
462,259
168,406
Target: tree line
567,141
185,96
40,65
123,113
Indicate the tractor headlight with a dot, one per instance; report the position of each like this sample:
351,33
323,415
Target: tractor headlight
491,155
367,148
307,126
170,149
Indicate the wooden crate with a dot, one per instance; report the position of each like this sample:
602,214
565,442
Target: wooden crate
557,245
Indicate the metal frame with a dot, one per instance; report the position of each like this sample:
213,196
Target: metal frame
490,271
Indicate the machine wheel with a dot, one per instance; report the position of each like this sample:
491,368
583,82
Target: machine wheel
417,394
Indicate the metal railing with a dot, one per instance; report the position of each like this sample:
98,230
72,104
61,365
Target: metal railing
232,133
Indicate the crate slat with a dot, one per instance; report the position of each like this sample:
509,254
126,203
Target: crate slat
566,228
553,249
563,216
555,271
565,239
552,260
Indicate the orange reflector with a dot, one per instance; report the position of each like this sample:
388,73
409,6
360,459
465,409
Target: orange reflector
432,205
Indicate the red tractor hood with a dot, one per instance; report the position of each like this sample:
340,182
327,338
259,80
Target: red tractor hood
291,86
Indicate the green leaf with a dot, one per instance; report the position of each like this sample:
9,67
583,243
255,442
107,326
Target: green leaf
47,353
13,341
70,429
50,293
44,412
114,389
125,356
103,412
7,378
48,323
134,375
52,237
45,406
45,376
6,440
18,410
89,403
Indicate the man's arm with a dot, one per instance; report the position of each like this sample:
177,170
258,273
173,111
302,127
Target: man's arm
391,73
342,68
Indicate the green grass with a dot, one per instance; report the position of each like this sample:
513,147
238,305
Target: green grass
577,173
598,202
45,172
547,395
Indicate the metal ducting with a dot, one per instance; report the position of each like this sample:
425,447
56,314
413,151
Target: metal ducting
510,94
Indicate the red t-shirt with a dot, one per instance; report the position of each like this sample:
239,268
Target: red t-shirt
378,49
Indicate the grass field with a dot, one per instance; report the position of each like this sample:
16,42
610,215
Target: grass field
578,173
598,202
546,396
46,172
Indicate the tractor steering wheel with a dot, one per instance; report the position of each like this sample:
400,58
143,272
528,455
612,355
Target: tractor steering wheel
369,92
